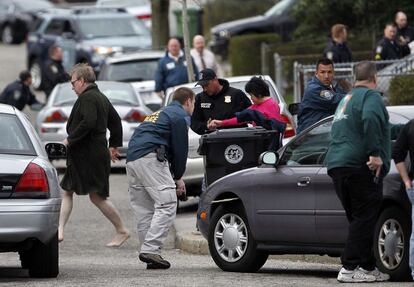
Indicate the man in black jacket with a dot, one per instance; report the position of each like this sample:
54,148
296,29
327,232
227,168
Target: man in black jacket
337,50
387,47
217,101
405,33
18,93
53,71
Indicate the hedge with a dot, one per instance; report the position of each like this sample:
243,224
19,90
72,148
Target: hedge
401,91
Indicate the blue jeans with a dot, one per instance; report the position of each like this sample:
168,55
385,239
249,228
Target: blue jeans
410,193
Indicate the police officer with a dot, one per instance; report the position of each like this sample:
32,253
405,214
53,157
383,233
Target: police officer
217,101
387,48
53,71
156,160
18,93
321,96
337,49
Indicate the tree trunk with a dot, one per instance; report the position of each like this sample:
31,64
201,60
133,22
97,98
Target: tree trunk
160,25
187,48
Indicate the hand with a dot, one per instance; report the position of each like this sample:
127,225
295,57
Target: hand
403,41
114,153
180,187
407,184
65,142
213,124
160,94
375,164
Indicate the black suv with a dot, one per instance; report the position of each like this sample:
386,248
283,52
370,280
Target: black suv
86,34
277,19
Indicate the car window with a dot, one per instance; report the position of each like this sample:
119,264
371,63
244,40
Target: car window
14,139
30,5
112,27
55,27
309,148
125,3
280,8
117,95
132,71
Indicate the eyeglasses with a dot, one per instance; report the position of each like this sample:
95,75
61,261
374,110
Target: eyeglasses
73,82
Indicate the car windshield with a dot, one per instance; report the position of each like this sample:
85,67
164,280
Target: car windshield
238,85
122,3
132,71
280,8
112,27
14,138
117,93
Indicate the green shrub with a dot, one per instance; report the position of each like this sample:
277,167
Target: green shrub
245,54
401,90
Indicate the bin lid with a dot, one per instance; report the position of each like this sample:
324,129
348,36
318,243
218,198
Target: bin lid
244,132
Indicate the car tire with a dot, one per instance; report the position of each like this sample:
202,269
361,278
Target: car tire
24,259
7,35
44,261
36,72
392,237
233,248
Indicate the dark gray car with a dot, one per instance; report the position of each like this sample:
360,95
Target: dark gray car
291,207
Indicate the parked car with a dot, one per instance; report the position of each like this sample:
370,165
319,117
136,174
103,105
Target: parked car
51,120
30,195
194,172
288,205
141,9
17,18
276,20
137,68
86,34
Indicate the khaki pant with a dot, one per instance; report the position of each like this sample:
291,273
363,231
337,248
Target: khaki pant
154,200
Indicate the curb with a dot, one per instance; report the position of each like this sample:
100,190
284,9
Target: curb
191,242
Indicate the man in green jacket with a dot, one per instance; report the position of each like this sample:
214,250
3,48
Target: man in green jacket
358,159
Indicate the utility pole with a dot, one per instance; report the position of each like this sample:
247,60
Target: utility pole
186,36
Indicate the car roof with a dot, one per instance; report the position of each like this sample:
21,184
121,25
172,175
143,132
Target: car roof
406,111
135,56
85,12
7,109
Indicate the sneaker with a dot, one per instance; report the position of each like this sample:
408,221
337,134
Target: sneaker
379,276
154,260
354,276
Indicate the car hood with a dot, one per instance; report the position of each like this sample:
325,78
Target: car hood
238,25
144,86
14,164
128,43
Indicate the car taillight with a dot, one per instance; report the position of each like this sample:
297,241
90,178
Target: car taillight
289,131
144,17
56,117
33,179
134,116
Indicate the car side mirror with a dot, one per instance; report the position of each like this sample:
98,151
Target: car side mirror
56,151
294,108
269,158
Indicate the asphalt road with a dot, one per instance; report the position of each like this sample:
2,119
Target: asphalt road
85,261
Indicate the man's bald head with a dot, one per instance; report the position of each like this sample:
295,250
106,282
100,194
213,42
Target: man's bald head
401,19
199,43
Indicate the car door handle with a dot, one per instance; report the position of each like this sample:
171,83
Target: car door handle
304,181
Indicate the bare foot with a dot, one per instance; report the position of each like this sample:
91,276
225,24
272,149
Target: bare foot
118,239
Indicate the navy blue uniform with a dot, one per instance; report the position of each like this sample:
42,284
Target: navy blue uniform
338,53
387,50
53,74
408,34
222,106
167,127
172,73
18,95
319,101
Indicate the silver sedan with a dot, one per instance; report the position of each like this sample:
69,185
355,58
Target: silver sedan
29,196
51,120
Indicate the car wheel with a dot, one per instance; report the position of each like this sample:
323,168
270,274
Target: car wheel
24,259
44,261
231,243
7,35
36,72
391,243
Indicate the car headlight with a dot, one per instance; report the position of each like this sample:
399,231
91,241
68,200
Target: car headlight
224,34
107,50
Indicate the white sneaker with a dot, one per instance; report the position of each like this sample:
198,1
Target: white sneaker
354,276
379,276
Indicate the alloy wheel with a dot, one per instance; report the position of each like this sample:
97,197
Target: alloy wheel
391,244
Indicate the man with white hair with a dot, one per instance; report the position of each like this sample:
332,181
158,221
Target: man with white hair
204,58
405,33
